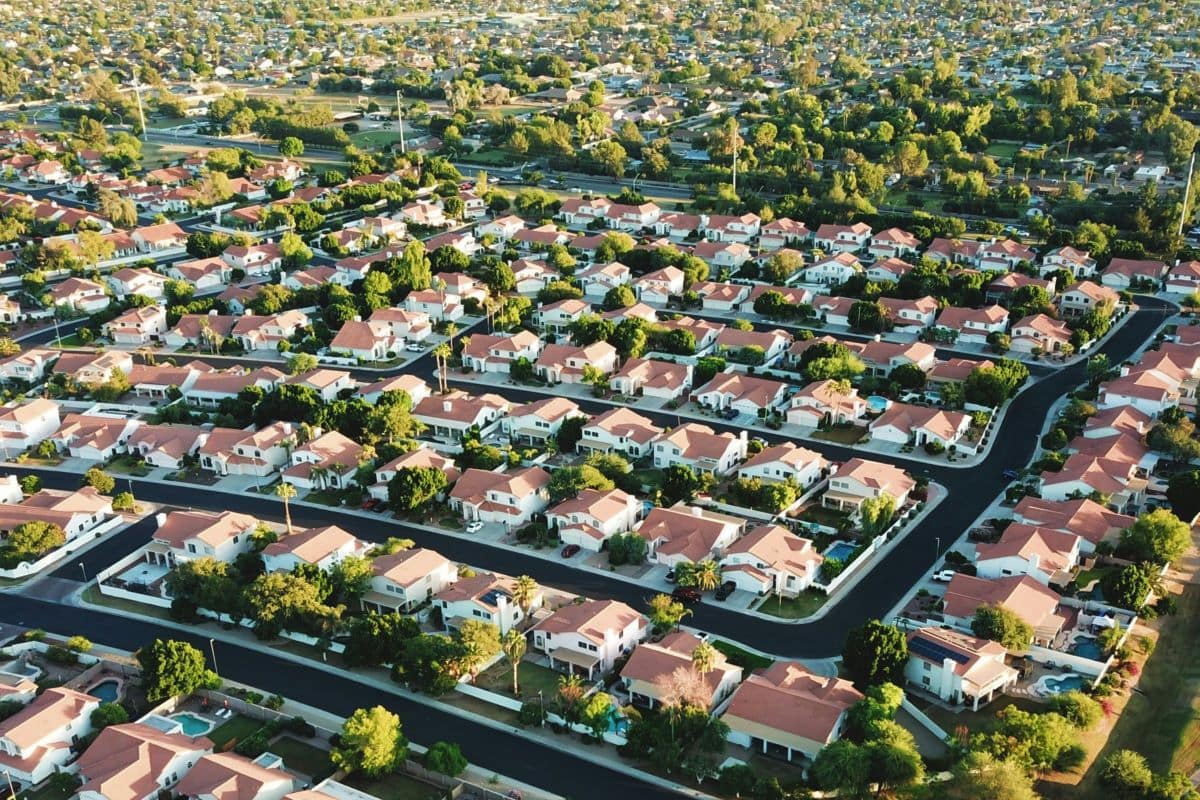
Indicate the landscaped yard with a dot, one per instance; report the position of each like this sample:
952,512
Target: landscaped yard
530,676
798,607
302,757
1002,149
50,790
325,498
848,435
743,658
649,477
830,517
376,139
235,729
396,787
128,465
1086,576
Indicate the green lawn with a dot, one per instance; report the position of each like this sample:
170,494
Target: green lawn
302,757
1002,149
1086,576
530,676
235,729
127,465
794,607
371,140
648,477
50,790
743,658
847,435
487,157
325,498
821,515
396,787
70,340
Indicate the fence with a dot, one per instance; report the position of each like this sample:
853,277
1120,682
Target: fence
512,704
923,719
27,568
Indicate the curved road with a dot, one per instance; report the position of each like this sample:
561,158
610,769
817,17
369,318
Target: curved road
971,490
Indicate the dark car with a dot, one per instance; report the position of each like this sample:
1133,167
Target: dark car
570,550
1011,474
730,413
370,504
724,590
686,594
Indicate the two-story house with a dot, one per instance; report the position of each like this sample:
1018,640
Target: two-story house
586,639
593,516
508,498
405,579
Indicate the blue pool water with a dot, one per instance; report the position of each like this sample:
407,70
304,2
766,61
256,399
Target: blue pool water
877,403
105,690
617,723
192,724
1087,647
839,550
1066,683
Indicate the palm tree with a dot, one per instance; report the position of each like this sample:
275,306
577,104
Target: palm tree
441,356
707,575
524,592
704,658
514,645
285,492
570,692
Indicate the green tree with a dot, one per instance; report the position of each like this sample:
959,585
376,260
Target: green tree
524,593
446,758
412,489
618,297
567,482
294,251
170,668
981,775
371,743
351,578
993,385
1126,774
1001,625
480,642
30,540
596,713
291,147
285,492
514,645
569,433
302,363
1039,742
679,482
99,480
877,514
1158,537
376,639
1077,708
1183,490
665,612
1130,587
875,653
412,269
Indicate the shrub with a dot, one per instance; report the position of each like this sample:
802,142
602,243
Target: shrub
934,447
531,713
61,655
301,727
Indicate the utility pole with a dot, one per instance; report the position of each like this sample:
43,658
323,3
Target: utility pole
400,123
1187,192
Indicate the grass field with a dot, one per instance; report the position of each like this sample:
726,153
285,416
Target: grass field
374,140
237,728
303,758
743,658
1003,149
531,678
396,787
806,604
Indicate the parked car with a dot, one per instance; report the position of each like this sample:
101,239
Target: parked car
724,590
945,576
1011,474
686,594
369,504
570,550
474,526
730,413
671,578
413,347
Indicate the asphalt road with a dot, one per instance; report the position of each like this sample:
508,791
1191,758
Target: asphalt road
505,753
971,490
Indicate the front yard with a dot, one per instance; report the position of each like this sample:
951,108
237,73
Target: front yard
128,465
531,677
848,435
303,758
804,605
396,787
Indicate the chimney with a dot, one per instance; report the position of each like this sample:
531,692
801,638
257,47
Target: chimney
1035,561
697,511
160,519
446,405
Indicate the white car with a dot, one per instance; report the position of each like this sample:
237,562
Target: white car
945,576
474,526
414,348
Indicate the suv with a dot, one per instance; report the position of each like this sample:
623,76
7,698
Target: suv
686,594
724,590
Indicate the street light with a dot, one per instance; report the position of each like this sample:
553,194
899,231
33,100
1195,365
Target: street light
542,706
937,546
212,646
83,569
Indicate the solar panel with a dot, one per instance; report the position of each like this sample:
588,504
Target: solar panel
936,652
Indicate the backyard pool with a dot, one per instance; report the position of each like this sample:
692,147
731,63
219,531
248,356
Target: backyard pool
192,725
839,550
1087,647
108,690
878,404
1057,684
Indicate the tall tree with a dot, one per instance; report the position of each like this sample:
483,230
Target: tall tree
371,743
171,668
514,645
285,492
875,653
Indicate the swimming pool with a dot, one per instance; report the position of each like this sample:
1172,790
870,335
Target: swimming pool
1057,684
192,725
1087,647
877,403
839,550
108,691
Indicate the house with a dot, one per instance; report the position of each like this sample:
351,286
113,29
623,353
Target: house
229,451
974,325
366,341
789,711
726,228
229,776
720,296
832,270
532,276
1130,273
842,238
742,393
587,638
771,343
1148,391
210,388
677,226
653,666
825,403
439,305
1001,289
137,326
904,313
254,259
579,211
256,332
328,461
888,270
783,232
648,377
204,274
793,296
1077,262
485,597
954,370
24,425
590,518
407,578
1116,420
421,458
559,363
38,739
903,423
785,463
833,310
29,366
659,286
80,294
94,437
76,512
770,559
318,547
536,422
952,251
496,353
425,214
1003,256
703,331
957,668
893,243
620,430
508,498
501,228
136,761
416,389
1082,475
598,279
1035,603
700,448
328,384
1041,333
633,218
1087,519
688,534
559,316
1086,296
451,416
159,238
90,369
858,479
1046,555
139,281
188,535
166,446
883,357
1184,277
